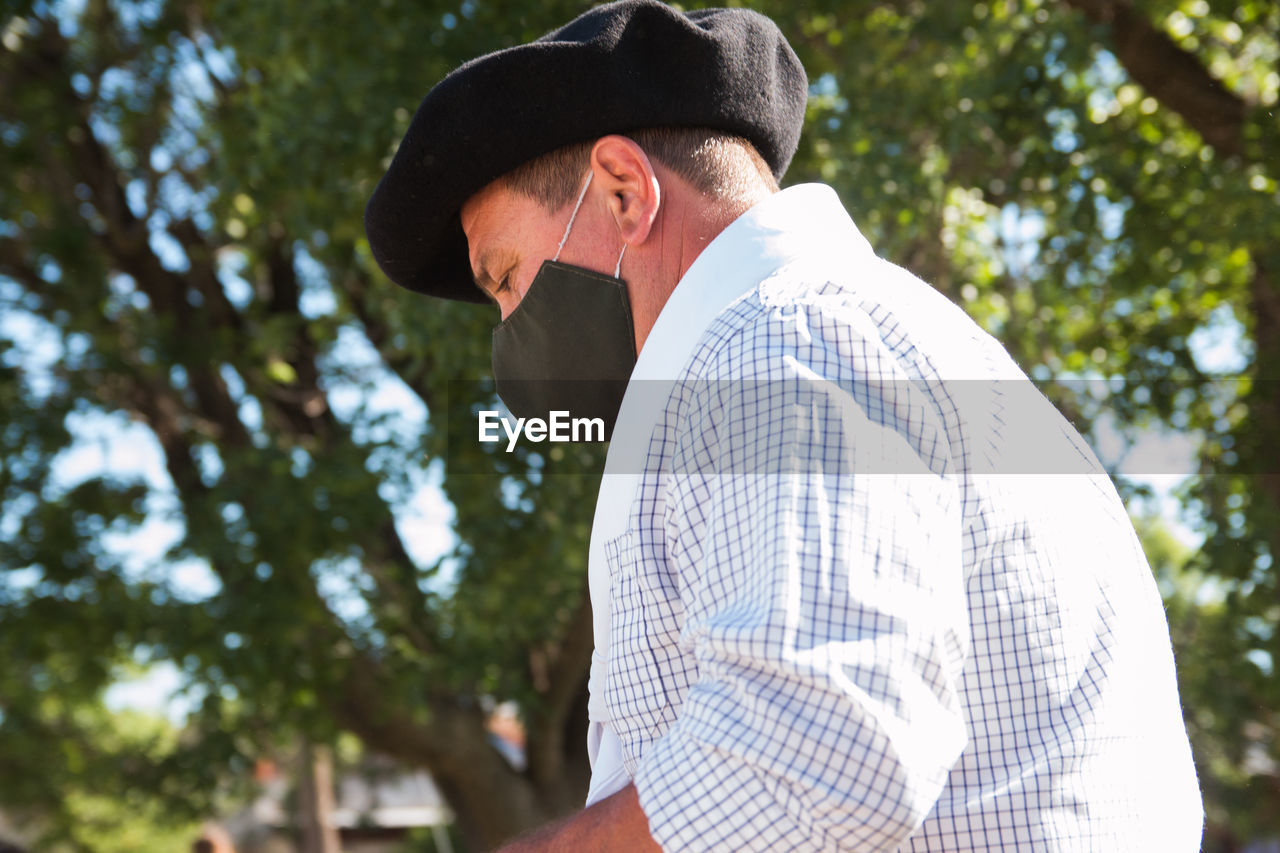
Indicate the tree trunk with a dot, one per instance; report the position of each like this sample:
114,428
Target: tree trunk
317,832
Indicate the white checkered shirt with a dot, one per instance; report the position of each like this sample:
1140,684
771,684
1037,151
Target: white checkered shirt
874,592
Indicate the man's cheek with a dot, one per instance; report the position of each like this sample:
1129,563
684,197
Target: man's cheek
524,283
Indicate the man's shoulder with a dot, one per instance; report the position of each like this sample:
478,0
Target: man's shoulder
836,312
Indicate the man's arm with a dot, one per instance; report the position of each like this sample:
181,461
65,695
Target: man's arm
614,823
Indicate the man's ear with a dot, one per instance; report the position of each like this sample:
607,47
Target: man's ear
625,173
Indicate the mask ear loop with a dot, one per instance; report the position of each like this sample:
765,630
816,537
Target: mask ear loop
617,268
573,216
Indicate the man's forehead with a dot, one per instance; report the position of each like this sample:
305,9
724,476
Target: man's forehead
498,207
481,204
501,224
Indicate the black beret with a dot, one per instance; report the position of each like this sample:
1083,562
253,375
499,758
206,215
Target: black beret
616,68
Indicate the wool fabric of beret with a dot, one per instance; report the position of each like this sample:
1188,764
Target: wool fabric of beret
616,68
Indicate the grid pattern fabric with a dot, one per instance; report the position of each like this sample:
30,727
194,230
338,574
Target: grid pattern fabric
833,628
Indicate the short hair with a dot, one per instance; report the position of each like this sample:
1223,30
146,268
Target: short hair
718,165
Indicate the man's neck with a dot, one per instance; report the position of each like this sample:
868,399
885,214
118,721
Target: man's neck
688,222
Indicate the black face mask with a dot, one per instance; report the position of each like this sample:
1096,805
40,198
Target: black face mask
569,345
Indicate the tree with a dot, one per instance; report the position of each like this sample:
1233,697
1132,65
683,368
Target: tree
181,245
1125,156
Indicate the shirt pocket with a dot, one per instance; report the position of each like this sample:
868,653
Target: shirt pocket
645,670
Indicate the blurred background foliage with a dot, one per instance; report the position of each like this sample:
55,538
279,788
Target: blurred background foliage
183,272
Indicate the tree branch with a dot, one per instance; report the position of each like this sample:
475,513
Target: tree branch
355,285
15,263
565,677
454,745
1172,75
126,238
203,273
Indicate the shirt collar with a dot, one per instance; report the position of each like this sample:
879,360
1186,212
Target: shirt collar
804,221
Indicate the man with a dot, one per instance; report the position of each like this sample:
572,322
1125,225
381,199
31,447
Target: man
832,611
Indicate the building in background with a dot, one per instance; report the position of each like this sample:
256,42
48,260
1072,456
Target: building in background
373,807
